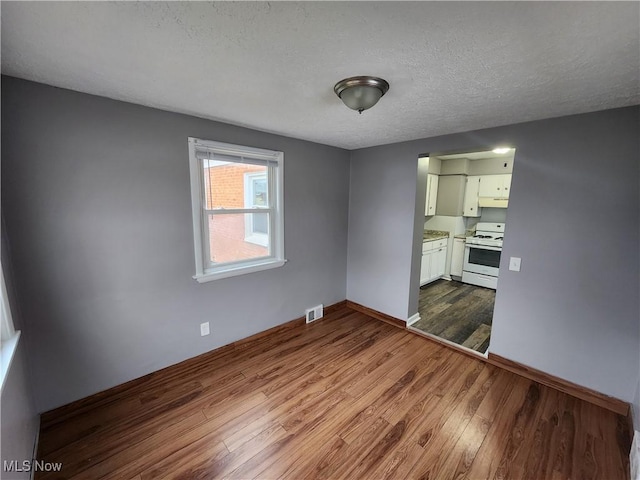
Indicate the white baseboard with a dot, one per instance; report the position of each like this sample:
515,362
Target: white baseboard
634,456
413,319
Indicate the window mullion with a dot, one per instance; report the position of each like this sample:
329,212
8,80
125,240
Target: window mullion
231,211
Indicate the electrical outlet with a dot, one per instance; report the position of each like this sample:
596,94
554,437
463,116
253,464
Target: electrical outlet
204,329
314,313
514,264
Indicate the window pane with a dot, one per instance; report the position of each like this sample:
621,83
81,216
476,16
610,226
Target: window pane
259,191
236,237
234,185
259,223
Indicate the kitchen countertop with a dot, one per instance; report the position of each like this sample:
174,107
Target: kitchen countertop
468,233
429,235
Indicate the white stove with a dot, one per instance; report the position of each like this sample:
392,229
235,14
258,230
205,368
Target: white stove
489,234
482,255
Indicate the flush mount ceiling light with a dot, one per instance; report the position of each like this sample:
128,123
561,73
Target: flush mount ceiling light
501,150
361,93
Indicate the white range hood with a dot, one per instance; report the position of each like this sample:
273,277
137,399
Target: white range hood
493,202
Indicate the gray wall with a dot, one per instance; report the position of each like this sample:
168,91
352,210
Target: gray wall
636,408
19,419
382,197
573,218
97,204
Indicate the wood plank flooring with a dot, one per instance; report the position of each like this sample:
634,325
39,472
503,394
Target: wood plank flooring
346,397
457,312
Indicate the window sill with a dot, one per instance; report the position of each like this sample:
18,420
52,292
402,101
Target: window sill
9,348
233,272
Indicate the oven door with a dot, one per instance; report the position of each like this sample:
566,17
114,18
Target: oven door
482,259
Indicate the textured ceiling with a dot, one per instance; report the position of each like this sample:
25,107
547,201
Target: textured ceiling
272,66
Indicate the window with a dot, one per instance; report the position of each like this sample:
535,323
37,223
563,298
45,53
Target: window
237,201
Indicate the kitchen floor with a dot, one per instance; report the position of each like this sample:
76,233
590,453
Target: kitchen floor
457,312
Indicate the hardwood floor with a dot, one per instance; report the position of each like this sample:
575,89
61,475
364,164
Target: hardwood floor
345,397
457,312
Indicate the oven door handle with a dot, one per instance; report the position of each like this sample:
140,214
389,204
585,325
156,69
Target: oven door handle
484,247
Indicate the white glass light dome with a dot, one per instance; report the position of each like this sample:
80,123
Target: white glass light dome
361,93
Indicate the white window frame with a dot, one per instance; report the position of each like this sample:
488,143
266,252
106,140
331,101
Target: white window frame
275,185
6,323
8,336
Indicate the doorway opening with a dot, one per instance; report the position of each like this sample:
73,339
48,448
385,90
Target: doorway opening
466,204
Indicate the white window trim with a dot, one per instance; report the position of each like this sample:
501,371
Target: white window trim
276,258
9,337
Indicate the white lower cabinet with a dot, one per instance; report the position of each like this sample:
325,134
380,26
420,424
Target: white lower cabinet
425,268
438,263
434,260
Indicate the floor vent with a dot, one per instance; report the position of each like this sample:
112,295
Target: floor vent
313,314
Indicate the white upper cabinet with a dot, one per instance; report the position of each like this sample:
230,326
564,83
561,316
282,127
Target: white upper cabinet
506,185
471,208
432,195
495,186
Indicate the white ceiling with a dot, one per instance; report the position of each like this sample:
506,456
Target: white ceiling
272,65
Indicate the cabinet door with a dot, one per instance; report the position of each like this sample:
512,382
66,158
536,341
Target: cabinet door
457,256
506,185
490,186
471,192
495,186
425,268
432,195
438,263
